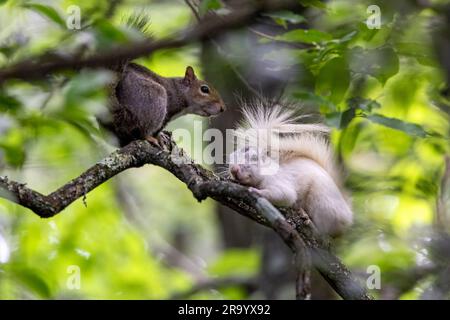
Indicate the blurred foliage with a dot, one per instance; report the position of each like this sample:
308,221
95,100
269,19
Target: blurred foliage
380,89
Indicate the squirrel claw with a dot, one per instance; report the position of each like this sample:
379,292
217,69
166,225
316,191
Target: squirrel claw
164,139
154,141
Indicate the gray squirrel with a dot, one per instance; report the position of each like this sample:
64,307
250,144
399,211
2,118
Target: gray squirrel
303,174
143,102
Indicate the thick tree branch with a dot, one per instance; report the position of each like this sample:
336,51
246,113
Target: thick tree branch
207,28
295,228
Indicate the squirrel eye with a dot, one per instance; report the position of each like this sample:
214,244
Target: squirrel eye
204,89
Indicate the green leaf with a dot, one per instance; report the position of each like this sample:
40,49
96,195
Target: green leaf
3,2
305,36
322,103
333,80
207,5
48,12
346,117
422,53
410,128
284,17
365,33
381,63
354,104
348,37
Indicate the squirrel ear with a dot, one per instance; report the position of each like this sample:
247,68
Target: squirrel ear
189,77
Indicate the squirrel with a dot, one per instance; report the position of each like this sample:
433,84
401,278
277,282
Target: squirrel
143,102
306,175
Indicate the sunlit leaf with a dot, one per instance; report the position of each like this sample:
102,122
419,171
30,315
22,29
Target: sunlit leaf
417,50
306,36
333,80
407,127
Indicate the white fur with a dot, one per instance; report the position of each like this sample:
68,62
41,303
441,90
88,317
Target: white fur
302,183
306,177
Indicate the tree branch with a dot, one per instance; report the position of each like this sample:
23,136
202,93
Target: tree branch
294,227
209,27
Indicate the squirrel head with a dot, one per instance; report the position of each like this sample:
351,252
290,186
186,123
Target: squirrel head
202,98
248,166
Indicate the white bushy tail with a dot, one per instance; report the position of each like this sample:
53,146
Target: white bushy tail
296,140
259,116
312,146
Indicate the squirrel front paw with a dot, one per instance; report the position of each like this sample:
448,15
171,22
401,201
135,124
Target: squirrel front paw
254,190
154,141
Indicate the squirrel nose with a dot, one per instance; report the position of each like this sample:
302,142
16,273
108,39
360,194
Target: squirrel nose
234,169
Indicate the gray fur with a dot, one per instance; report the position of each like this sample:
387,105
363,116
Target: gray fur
142,102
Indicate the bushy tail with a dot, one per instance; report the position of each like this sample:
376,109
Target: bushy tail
276,127
312,146
259,115
139,23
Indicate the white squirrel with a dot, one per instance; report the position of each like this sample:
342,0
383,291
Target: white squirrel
291,165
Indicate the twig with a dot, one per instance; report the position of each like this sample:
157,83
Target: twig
193,9
296,45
